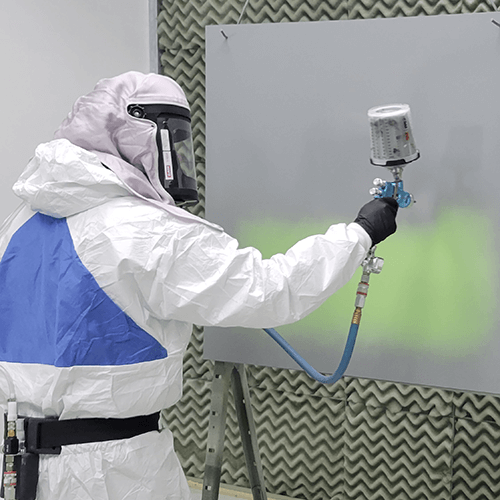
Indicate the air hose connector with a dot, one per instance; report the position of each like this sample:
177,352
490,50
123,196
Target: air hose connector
361,293
370,265
356,317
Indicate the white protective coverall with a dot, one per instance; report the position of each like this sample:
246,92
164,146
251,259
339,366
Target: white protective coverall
103,278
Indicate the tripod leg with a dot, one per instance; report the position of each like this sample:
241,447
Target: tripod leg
216,428
248,432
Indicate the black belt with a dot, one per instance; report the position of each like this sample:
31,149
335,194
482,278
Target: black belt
47,435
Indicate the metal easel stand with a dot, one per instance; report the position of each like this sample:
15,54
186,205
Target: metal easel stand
224,374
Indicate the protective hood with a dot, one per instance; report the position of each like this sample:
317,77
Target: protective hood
65,178
99,122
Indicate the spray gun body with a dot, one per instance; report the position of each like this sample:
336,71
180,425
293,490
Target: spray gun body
392,189
385,189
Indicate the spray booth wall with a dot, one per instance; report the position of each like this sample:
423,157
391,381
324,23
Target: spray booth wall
360,438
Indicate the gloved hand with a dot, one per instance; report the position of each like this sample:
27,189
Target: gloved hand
378,218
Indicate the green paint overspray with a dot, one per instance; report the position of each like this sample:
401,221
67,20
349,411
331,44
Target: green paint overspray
436,290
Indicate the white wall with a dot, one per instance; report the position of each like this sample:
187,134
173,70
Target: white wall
53,51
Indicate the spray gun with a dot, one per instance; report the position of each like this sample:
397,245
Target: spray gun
392,147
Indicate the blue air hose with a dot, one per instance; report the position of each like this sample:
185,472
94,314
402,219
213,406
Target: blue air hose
344,362
371,264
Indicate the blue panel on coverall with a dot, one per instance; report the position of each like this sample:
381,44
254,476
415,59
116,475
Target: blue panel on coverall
52,311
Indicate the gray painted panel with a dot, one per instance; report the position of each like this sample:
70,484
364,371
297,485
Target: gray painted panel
287,154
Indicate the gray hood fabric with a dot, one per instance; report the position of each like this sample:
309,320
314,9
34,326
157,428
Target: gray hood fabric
99,123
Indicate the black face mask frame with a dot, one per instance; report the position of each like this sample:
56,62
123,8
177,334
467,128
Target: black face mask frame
176,166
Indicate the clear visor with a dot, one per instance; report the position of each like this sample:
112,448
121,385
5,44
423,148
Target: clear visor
178,154
176,165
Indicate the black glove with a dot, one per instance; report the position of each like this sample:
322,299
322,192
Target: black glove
378,218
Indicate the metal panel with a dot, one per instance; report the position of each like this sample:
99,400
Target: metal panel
296,150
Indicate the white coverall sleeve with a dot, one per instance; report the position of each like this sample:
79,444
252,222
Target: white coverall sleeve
208,280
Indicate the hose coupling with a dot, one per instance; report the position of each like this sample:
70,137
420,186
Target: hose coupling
356,317
361,294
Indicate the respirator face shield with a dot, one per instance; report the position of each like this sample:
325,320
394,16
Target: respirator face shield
176,165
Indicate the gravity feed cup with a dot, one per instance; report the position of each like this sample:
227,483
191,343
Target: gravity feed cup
392,142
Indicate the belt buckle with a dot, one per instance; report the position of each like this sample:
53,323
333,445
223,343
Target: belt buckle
33,429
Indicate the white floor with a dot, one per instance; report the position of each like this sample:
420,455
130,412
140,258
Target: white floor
227,492
196,495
